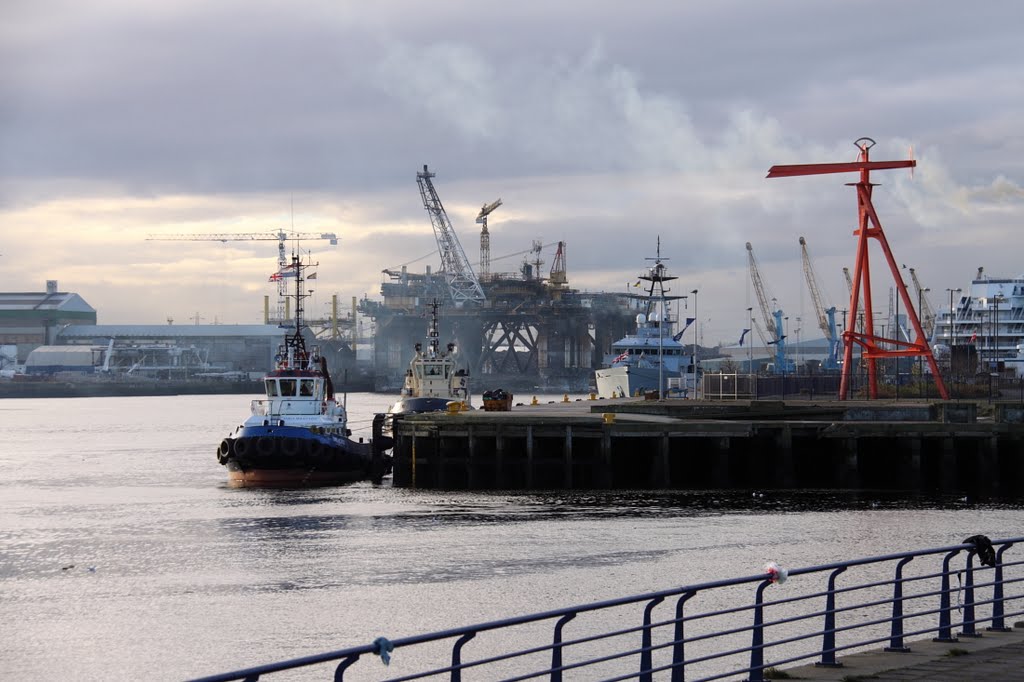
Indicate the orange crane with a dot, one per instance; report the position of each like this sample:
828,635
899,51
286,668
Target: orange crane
873,347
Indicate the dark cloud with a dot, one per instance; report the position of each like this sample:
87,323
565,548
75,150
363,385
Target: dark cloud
599,123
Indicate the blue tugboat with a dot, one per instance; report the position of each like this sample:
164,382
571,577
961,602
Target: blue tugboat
298,434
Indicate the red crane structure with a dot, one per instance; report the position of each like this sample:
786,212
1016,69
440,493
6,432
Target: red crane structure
872,347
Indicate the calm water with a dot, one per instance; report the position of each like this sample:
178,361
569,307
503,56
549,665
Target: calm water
124,556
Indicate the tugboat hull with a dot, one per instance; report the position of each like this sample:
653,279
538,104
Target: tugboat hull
296,456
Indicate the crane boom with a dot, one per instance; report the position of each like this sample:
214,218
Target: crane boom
826,316
762,298
462,282
279,236
772,319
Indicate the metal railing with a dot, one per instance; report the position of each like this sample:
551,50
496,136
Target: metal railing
711,630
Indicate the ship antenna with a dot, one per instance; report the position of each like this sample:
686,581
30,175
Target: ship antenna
432,333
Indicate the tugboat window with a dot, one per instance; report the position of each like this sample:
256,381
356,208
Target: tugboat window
271,388
287,387
306,387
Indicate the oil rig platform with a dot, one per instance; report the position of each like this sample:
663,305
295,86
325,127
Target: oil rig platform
525,330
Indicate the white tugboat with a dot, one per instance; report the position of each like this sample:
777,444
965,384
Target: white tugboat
433,379
652,358
298,434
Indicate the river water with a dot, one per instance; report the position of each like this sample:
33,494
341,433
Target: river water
124,555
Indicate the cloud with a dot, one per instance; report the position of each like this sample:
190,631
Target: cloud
596,126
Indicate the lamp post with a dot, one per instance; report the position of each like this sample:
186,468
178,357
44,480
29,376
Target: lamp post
998,298
796,346
920,314
841,333
784,333
750,346
696,339
952,330
661,346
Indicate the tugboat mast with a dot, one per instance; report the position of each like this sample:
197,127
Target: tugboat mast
294,353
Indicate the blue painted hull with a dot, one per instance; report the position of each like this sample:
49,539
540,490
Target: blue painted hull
259,455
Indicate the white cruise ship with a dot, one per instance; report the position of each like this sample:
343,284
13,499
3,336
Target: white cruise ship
986,327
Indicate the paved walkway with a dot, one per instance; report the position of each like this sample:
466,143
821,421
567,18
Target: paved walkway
993,657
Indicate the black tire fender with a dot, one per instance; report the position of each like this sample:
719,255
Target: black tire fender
265,446
243,446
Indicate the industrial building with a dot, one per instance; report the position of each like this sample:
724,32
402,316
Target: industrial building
31,319
53,331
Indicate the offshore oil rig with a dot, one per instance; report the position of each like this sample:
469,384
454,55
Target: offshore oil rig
525,330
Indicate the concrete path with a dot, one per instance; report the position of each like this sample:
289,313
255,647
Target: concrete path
993,657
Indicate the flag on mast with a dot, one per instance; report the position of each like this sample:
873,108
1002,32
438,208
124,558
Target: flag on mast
679,334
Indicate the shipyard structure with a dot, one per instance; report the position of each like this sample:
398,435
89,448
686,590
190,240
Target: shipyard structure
527,333
522,330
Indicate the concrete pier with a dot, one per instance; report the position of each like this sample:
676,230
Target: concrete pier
638,444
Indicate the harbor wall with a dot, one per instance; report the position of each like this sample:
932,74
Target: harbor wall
950,453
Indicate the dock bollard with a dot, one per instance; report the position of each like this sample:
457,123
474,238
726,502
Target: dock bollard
609,417
534,401
593,396
565,398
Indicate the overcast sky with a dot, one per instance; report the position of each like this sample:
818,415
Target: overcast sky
603,124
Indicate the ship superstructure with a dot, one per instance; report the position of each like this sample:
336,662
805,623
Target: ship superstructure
983,327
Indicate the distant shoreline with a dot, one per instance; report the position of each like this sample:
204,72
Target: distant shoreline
98,389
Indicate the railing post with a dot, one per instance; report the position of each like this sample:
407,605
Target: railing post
998,622
457,656
945,628
968,622
645,642
678,653
556,648
339,672
828,640
757,636
896,636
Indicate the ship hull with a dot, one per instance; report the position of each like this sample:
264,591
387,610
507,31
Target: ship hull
627,381
419,405
284,456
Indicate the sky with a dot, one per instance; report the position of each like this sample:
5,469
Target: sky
606,125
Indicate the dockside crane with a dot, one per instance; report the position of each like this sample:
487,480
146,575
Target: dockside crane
485,239
558,278
463,284
772,319
927,312
281,237
826,316
849,292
